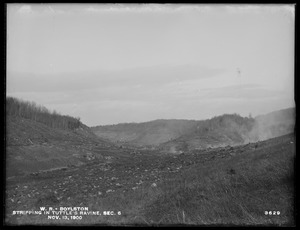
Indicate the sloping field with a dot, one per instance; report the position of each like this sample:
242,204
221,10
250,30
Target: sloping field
250,184
32,146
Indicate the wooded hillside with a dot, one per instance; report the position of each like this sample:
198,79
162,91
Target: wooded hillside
38,113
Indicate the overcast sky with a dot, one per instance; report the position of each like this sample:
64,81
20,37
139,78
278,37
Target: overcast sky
110,64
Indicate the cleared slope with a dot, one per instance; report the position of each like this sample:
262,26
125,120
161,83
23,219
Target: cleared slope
39,140
219,186
32,146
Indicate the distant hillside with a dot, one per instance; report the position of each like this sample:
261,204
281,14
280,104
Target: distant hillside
147,133
175,135
37,139
228,129
158,132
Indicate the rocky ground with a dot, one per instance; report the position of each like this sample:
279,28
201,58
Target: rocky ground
121,173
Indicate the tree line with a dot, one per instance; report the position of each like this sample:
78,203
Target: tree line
230,122
30,110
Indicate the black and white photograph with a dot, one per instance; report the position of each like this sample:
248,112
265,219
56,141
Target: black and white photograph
150,115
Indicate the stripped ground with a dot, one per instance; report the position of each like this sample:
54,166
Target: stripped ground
223,186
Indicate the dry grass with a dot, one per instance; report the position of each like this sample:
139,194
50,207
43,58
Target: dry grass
234,191
230,192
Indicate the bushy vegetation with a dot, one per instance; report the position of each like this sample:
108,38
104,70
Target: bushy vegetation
38,113
230,122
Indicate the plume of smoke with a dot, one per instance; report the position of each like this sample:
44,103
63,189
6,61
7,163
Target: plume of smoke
273,125
173,149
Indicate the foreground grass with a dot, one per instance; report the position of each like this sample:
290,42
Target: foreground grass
236,191
232,191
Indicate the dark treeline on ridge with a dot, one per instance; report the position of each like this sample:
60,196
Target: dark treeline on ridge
30,110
